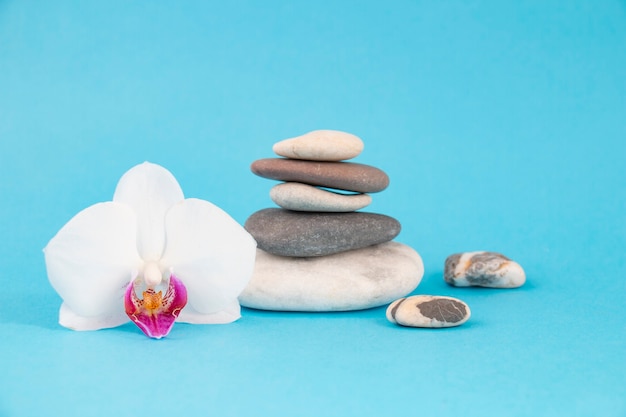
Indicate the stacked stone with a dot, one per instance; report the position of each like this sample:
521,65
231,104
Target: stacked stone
317,252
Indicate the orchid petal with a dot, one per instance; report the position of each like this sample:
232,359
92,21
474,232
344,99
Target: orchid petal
71,320
210,252
90,261
150,190
229,314
155,313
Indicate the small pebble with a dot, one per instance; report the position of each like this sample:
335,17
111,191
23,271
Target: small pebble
428,311
483,269
347,176
303,197
320,145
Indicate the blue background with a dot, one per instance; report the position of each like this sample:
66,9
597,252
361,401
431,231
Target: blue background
502,126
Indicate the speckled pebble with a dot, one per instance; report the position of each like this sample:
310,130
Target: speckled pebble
428,311
483,269
320,145
303,197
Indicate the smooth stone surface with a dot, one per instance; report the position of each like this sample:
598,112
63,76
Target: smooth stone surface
320,145
428,311
354,280
341,175
483,269
292,233
303,197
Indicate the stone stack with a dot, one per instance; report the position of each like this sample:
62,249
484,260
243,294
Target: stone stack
317,252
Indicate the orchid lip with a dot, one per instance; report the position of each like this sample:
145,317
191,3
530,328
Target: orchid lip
153,312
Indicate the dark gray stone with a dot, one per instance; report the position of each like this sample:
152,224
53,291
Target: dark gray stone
347,176
305,234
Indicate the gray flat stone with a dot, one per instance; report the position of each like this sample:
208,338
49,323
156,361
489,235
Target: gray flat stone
428,311
354,280
292,233
320,145
303,197
347,176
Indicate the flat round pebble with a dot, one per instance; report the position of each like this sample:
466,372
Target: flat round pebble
353,280
303,234
347,176
303,197
428,311
483,269
320,145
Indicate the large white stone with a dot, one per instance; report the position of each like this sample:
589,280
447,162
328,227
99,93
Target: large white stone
320,145
353,280
304,197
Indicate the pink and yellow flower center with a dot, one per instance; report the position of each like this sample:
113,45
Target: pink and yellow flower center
152,300
155,313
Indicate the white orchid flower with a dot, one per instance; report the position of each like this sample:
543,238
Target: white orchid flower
145,254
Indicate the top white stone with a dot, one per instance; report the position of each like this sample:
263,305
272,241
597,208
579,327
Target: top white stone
320,145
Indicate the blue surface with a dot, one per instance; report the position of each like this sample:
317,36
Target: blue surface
502,126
